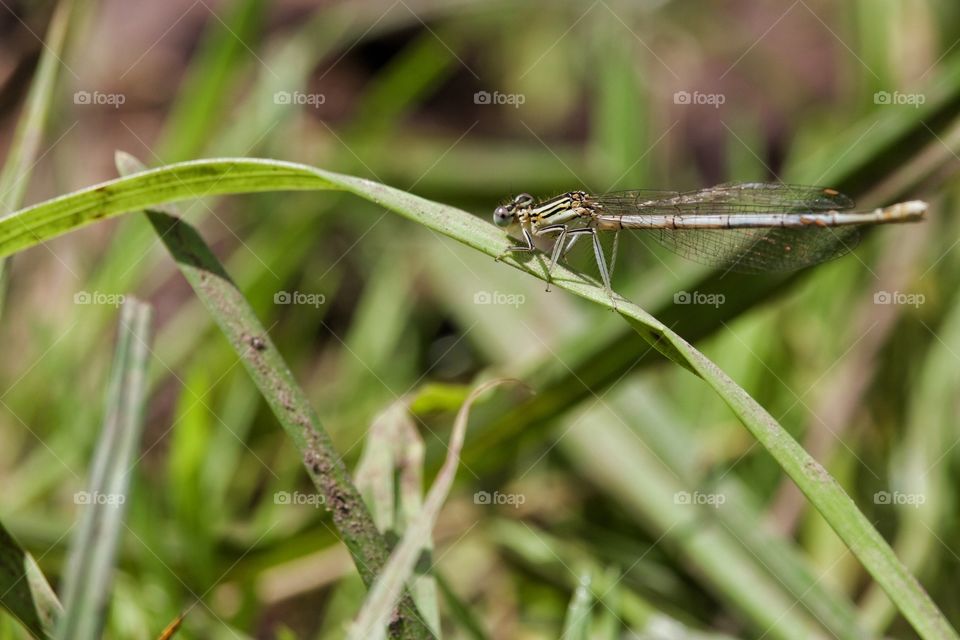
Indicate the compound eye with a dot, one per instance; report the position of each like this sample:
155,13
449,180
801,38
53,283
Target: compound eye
502,217
524,199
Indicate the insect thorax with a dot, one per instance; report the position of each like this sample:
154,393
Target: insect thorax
560,209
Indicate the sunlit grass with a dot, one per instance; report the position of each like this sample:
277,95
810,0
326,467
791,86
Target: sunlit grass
626,492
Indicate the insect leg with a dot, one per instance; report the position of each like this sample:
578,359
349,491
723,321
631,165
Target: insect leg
574,234
601,262
560,229
613,253
597,252
523,248
570,244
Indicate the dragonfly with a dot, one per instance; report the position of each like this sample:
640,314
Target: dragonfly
754,227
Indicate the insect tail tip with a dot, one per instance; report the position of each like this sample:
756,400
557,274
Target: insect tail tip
917,209
911,210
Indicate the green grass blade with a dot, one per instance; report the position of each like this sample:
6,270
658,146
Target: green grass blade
90,563
205,177
182,181
24,591
285,397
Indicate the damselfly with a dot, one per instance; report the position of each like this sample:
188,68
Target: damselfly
747,227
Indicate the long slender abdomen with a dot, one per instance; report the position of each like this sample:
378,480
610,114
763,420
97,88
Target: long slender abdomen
911,211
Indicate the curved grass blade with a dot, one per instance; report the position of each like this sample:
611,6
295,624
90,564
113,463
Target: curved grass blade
206,177
132,256
93,549
286,398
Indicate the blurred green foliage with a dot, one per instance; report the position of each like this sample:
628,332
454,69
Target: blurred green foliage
614,439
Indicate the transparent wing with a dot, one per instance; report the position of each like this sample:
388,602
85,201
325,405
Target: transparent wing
746,198
751,250
759,250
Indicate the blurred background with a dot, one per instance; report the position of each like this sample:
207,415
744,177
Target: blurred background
624,472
